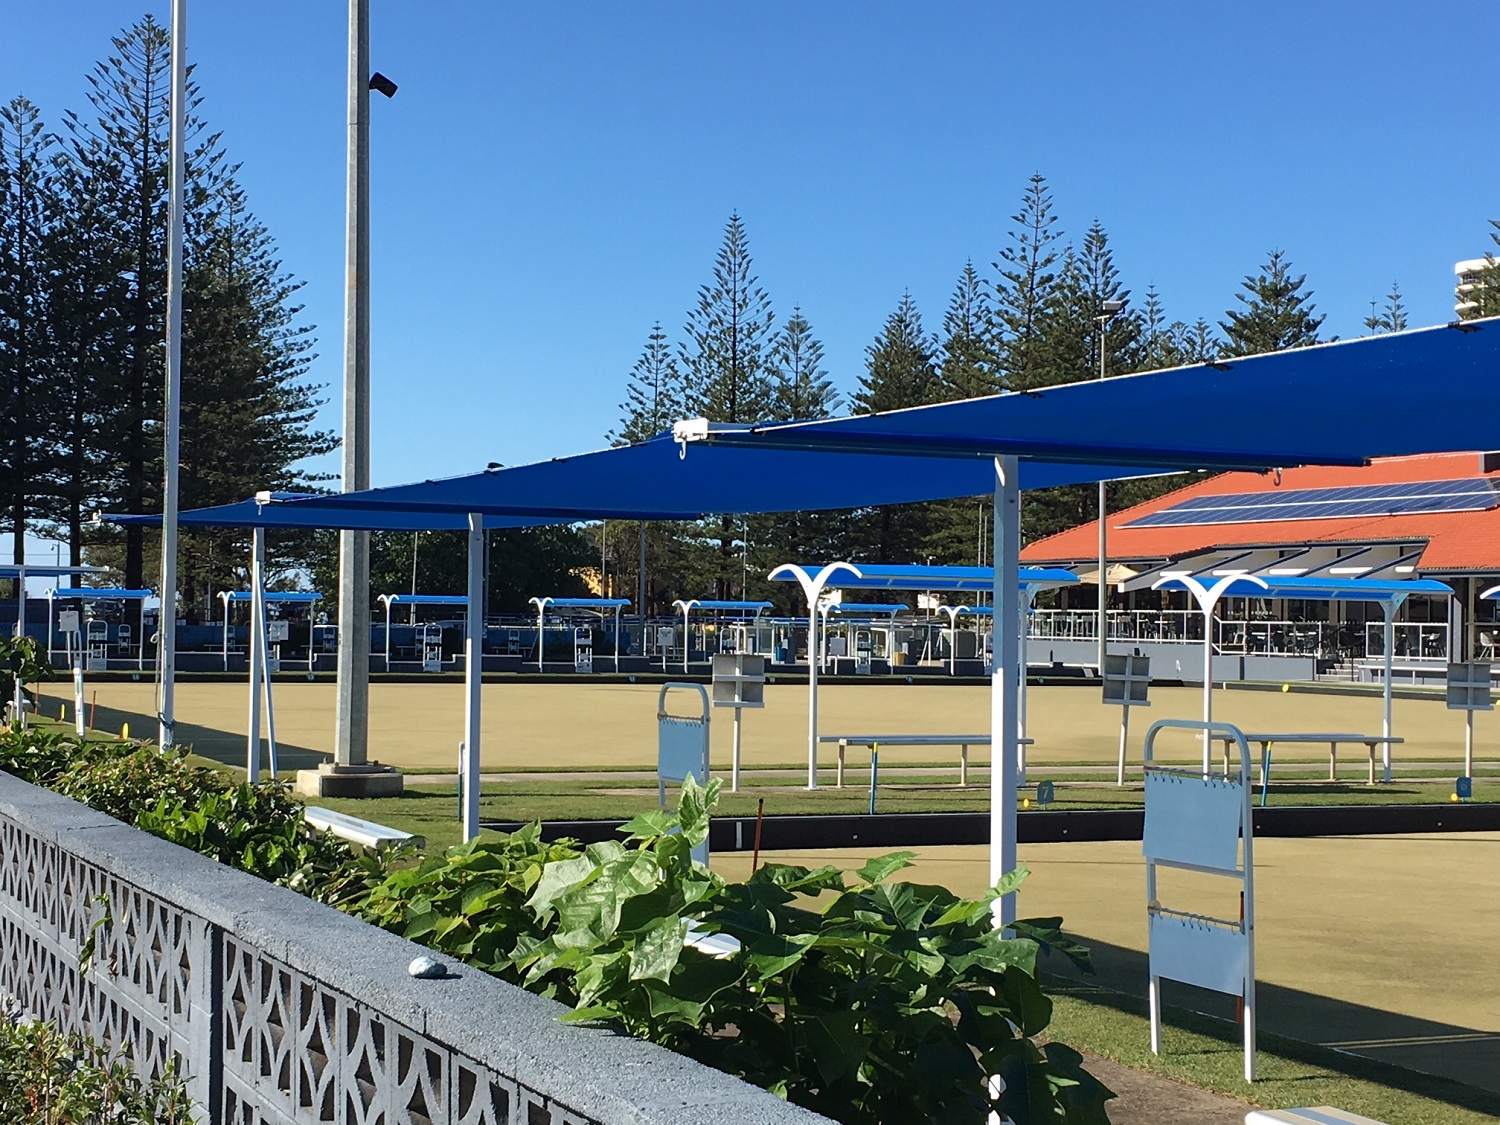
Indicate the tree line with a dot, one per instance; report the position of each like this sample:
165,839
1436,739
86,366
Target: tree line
83,259
1033,320
83,264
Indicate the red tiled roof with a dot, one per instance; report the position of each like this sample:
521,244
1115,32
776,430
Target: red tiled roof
1456,541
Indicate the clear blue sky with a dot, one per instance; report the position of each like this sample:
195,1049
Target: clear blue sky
550,179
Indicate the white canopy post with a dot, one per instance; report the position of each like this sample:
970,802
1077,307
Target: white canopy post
812,587
541,630
20,695
1006,601
687,636
1391,606
474,673
224,641
1207,598
951,612
257,652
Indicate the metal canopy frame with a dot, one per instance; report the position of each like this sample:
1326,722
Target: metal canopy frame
100,594
849,613
597,605
20,572
413,600
1389,594
711,605
287,597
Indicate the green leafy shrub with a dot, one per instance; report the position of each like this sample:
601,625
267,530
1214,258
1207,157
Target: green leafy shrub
49,1078
21,656
871,1002
471,902
255,828
868,1001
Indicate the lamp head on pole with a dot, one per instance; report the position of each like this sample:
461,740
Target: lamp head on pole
1111,309
382,85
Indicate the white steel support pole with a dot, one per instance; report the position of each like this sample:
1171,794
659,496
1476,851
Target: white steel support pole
166,633
1388,642
812,688
1208,683
257,647
20,693
1103,581
1025,601
473,675
1003,685
352,725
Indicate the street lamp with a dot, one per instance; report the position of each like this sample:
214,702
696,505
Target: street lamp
1108,310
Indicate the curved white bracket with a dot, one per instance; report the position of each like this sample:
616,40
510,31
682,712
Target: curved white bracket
1208,596
1492,592
812,587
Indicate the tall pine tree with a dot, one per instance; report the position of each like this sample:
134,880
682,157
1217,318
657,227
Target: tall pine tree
1024,286
25,374
970,366
900,371
802,388
1391,318
726,366
653,392
1274,312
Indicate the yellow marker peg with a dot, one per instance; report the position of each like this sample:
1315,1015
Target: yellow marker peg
125,732
1286,687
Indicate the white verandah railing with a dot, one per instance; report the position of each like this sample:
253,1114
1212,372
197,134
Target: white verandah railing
1414,641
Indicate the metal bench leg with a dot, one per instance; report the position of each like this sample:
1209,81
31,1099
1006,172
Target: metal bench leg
1333,761
1372,763
963,766
842,747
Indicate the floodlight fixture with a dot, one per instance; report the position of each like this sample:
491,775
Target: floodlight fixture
382,85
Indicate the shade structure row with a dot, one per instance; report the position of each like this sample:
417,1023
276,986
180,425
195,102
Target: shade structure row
1257,413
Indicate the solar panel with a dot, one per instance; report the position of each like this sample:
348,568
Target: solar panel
1472,494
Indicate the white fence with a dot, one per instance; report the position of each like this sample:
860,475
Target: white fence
1415,641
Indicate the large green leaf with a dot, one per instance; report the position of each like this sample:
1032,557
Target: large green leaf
657,951
882,867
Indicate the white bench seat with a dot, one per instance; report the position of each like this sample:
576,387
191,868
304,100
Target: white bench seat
365,833
962,741
1333,739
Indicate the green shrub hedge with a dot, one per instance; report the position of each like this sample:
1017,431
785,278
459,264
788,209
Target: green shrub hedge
869,1001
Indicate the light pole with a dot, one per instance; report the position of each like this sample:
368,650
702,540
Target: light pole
166,630
352,720
1108,310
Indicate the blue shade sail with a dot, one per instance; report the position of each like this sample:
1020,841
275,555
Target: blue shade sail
1474,494
653,480
1433,390
281,513
950,579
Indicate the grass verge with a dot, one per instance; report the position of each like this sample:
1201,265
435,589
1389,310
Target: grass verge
1206,1052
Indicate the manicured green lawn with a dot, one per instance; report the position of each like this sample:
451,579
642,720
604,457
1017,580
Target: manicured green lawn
1206,1052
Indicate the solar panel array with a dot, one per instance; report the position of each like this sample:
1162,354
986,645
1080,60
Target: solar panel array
1473,494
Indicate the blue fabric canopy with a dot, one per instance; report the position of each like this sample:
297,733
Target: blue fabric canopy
652,481
584,603
290,596
951,579
424,599
725,606
871,608
1321,589
1333,404
13,570
280,514
100,593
